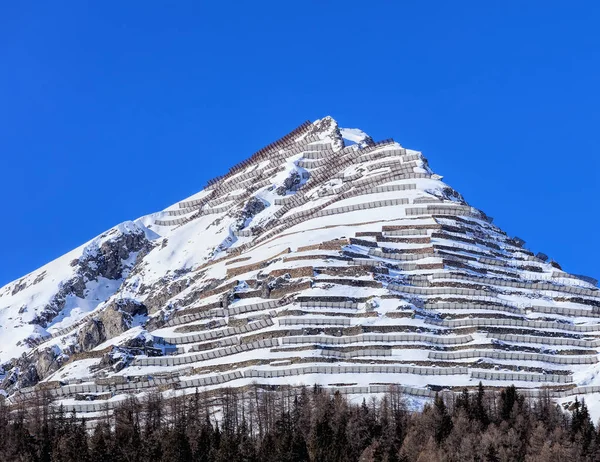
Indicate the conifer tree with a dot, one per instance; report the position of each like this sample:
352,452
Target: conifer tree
443,421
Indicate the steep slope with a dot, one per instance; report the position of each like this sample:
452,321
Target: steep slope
324,258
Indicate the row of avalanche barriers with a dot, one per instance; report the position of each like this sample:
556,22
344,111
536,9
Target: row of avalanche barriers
437,290
474,322
364,206
356,353
522,377
546,340
522,285
356,369
215,334
512,356
205,356
331,340
100,406
307,320
494,304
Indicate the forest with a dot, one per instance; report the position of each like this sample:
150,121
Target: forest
307,424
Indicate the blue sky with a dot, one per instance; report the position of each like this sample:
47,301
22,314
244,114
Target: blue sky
112,110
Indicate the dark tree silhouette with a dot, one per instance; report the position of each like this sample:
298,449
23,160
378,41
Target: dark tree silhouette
303,425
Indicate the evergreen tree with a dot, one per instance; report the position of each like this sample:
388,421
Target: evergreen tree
508,399
463,401
582,428
478,410
302,426
100,443
443,421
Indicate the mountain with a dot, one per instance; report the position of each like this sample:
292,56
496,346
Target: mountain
326,258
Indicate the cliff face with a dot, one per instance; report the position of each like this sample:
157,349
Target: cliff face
326,257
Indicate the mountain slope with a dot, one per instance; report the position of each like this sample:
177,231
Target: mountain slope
324,258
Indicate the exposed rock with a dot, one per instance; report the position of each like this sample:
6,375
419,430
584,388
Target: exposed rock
108,260
253,207
19,286
91,335
115,319
130,306
164,290
289,183
29,370
47,362
74,286
329,126
40,277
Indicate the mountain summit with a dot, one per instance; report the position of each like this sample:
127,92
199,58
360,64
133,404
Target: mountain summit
324,258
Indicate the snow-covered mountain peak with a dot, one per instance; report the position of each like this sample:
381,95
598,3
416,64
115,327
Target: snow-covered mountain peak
326,256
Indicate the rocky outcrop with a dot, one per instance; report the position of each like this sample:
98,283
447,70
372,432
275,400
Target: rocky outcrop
328,125
164,290
253,207
107,261
29,370
115,319
74,286
289,183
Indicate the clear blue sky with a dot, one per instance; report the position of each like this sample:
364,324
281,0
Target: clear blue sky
112,110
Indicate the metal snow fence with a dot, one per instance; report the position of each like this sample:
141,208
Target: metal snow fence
381,154
546,340
512,356
389,338
314,321
438,290
364,206
196,202
215,334
357,369
350,390
356,353
518,323
205,356
326,304
407,232
184,318
523,285
243,233
521,377
269,304
176,221
215,210
317,154
400,256
402,389
578,312
181,211
497,305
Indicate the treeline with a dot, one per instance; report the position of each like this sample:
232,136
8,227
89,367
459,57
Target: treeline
306,425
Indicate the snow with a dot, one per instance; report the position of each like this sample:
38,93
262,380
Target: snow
77,370
185,258
353,134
